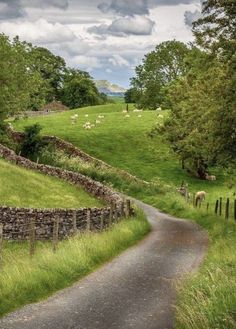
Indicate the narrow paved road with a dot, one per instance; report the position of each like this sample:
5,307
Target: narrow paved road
135,290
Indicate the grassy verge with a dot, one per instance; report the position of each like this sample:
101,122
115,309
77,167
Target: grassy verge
207,299
24,280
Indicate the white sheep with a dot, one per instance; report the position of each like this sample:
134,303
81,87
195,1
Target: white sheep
86,115
158,109
199,197
139,116
160,116
210,177
127,116
101,116
97,122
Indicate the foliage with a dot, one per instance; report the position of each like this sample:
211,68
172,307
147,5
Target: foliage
33,142
159,68
79,90
17,79
130,95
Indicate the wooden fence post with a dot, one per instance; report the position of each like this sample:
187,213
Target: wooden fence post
1,245
88,227
216,207
235,209
32,237
111,214
127,213
227,209
122,209
102,221
55,234
74,222
220,209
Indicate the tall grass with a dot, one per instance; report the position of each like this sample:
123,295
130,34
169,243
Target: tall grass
24,280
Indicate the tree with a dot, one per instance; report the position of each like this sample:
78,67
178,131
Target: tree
159,68
79,90
33,142
130,95
17,79
52,69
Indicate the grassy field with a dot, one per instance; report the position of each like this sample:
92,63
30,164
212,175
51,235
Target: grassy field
207,300
25,188
124,142
24,280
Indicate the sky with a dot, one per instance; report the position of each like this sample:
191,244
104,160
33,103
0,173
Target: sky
107,38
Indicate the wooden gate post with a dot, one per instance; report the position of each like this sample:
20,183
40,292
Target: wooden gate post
55,234
127,214
216,207
227,209
32,237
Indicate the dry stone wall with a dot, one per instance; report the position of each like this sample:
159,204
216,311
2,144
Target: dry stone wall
16,220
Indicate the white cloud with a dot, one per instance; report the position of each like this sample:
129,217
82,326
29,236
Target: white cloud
87,63
137,25
118,60
40,31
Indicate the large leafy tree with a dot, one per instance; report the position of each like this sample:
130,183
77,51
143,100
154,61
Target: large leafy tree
52,69
202,124
79,90
158,69
18,80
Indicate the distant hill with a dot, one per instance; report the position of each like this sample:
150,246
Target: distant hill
109,89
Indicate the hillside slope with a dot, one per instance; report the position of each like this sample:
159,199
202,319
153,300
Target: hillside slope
25,188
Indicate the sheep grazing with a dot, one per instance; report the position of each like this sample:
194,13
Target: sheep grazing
158,109
210,177
101,116
124,111
160,116
127,116
199,197
136,110
87,125
139,116
86,115
97,122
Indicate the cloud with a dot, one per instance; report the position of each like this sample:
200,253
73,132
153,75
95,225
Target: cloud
39,32
83,62
191,16
136,25
117,60
125,7
138,7
11,9
62,4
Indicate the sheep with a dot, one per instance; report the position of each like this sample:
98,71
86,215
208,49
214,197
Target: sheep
160,116
97,122
136,110
199,197
210,177
158,109
124,111
86,115
127,116
101,116
139,116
